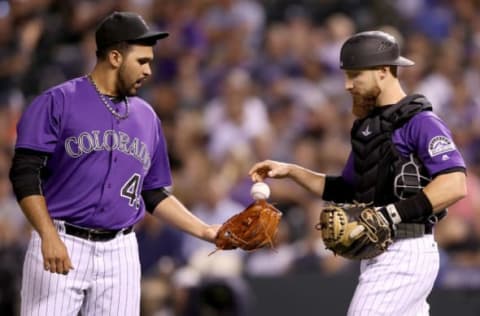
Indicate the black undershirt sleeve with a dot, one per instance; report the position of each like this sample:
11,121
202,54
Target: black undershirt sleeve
337,190
25,172
153,197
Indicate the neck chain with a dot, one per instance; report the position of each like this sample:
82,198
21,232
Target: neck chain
107,104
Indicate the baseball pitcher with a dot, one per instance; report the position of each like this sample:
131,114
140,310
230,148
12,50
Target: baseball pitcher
90,158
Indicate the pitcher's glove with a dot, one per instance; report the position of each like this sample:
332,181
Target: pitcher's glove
355,231
251,229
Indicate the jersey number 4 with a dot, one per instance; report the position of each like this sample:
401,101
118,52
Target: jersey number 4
130,190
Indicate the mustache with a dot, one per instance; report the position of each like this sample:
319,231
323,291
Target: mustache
364,103
366,98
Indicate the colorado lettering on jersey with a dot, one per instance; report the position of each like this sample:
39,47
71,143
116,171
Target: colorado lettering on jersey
109,140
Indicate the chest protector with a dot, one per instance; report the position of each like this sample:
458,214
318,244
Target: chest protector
382,175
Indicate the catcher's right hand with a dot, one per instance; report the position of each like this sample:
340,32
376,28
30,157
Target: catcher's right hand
269,169
355,231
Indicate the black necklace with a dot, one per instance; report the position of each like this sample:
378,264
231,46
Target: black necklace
107,104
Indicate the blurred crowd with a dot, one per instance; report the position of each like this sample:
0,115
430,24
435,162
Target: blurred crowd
240,81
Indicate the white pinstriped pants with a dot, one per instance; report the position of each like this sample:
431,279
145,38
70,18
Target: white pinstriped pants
398,281
105,279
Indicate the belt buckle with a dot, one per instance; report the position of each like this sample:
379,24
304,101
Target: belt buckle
120,232
92,233
89,235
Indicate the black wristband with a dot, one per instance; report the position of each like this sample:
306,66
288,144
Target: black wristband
338,190
414,208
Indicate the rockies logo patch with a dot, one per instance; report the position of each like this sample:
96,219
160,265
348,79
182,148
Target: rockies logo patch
439,145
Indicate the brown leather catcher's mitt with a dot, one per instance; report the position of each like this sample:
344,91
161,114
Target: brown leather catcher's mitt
354,231
251,229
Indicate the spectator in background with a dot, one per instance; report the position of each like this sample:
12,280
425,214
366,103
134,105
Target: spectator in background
14,231
182,18
157,243
463,114
237,118
20,29
438,85
225,18
274,60
212,204
338,27
459,238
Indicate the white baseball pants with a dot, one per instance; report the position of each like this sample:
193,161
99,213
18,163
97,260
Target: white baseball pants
398,281
105,279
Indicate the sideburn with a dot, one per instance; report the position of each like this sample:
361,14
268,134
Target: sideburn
122,85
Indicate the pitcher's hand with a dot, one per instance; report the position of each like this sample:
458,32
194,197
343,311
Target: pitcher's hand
55,254
211,232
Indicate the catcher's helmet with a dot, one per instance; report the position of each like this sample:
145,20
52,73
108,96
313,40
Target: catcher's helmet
370,49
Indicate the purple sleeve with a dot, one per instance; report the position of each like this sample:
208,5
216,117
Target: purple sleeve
159,174
427,136
39,127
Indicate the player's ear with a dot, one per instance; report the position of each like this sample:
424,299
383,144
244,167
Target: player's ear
383,72
115,58
380,73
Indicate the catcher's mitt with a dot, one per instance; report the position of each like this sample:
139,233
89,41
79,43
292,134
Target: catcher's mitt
354,231
251,229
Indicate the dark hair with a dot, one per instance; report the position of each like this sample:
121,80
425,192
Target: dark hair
394,70
122,47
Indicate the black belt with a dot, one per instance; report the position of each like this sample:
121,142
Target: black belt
93,234
412,230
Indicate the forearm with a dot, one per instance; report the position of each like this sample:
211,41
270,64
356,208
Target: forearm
310,180
439,194
172,211
54,252
445,190
35,209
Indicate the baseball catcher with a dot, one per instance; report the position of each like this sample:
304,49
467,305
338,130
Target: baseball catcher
355,231
251,229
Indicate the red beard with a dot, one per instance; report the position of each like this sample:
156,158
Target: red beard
363,104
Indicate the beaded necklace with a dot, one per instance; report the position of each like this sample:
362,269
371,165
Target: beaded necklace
107,104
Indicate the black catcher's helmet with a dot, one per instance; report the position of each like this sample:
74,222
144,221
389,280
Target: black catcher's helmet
370,49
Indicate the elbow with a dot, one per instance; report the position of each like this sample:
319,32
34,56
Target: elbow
463,193
460,190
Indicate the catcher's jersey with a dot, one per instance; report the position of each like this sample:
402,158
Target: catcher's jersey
427,136
98,164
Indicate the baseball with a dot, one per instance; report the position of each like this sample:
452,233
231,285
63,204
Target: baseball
260,191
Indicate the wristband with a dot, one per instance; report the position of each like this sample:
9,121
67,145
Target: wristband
393,213
415,207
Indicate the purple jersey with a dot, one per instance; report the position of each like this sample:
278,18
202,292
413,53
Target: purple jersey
98,165
427,136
